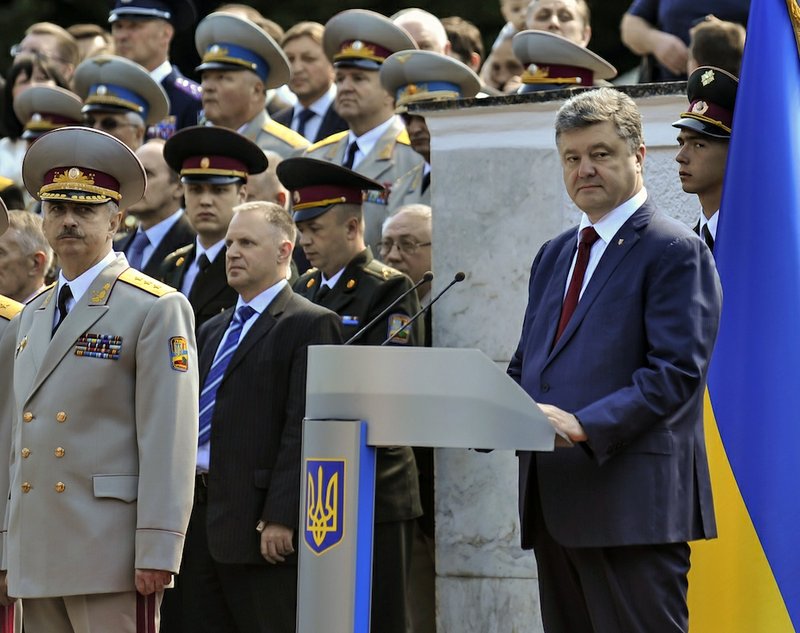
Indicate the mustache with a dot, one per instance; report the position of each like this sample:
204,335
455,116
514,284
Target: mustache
70,233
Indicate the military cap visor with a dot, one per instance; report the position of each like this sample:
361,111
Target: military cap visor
554,61
108,83
412,76
80,164
712,98
3,217
318,185
213,155
363,39
228,42
182,14
45,108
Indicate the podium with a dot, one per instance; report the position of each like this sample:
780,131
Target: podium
362,397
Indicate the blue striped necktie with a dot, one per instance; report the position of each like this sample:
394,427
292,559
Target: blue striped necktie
208,395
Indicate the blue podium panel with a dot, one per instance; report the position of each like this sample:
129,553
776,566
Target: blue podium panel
336,522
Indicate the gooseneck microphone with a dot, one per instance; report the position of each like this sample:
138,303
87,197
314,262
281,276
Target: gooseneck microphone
459,277
428,276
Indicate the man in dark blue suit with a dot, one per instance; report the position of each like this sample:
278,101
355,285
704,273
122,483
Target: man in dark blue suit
621,321
142,31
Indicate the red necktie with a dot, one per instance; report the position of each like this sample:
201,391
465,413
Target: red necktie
588,237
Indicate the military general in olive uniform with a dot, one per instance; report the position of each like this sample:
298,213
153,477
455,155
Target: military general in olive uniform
103,411
240,62
377,145
327,211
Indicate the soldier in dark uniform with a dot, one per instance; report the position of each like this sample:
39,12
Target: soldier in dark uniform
346,279
142,31
214,164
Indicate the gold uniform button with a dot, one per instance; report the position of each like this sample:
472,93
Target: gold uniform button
61,416
26,487
27,416
26,452
60,487
59,452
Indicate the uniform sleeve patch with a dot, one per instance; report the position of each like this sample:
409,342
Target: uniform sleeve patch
396,323
179,353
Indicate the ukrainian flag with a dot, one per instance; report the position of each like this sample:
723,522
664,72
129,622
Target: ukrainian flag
748,581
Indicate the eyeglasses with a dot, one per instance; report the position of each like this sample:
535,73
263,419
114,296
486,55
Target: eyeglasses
17,50
404,245
109,124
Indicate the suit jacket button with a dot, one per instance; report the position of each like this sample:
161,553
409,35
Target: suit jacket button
26,452
60,487
61,416
26,487
59,452
27,416
545,387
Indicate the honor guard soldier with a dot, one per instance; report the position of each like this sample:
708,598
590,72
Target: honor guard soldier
103,411
704,137
240,62
120,98
213,164
45,108
553,62
377,144
415,77
327,210
142,32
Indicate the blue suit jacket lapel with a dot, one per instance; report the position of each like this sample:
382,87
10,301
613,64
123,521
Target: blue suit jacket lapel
620,245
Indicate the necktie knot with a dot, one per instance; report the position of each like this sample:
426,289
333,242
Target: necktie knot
589,236
64,295
136,251
203,262
303,117
351,155
244,314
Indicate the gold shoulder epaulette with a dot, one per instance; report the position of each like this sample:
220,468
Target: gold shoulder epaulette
380,270
148,284
402,137
9,308
327,141
286,134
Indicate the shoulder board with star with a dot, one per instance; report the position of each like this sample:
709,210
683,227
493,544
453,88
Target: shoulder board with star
402,137
9,308
328,140
143,282
380,270
189,87
286,134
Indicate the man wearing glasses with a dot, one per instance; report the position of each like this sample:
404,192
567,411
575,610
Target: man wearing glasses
51,45
120,97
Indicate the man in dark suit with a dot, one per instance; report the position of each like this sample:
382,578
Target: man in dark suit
327,210
163,226
239,571
616,342
704,137
142,32
312,82
213,164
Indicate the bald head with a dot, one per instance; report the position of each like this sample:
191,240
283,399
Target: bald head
425,28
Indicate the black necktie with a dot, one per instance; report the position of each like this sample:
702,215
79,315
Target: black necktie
351,155
64,295
303,118
426,182
203,263
708,237
321,293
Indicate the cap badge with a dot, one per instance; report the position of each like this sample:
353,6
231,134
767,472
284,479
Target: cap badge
204,162
699,107
74,175
402,58
357,45
102,91
36,117
296,197
707,77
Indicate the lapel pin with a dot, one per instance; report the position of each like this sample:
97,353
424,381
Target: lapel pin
620,242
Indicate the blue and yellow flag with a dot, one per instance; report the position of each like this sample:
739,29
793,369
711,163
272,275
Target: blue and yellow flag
748,581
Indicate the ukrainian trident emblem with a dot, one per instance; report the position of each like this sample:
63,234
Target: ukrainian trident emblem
324,526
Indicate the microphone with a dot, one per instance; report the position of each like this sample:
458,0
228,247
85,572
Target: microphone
459,277
428,276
